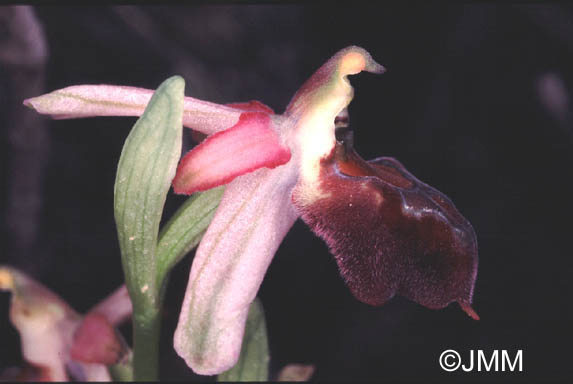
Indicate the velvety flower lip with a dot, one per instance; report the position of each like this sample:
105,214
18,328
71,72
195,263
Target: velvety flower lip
392,234
389,232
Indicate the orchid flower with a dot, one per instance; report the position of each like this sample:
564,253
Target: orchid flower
389,233
57,342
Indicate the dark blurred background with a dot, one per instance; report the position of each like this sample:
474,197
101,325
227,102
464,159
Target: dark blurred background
476,102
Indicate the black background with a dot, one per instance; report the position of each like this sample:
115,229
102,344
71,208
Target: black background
475,102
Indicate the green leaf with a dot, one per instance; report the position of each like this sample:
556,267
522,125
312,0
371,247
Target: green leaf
185,229
146,167
253,364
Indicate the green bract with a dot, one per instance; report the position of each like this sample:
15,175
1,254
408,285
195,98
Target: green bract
146,167
185,229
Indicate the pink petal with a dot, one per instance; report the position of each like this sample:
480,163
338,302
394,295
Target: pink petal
251,144
252,106
252,219
113,100
95,341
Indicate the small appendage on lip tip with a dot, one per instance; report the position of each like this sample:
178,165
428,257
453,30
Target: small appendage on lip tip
469,310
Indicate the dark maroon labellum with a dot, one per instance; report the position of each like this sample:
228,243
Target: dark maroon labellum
392,234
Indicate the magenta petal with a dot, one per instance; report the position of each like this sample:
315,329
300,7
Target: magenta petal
251,221
251,144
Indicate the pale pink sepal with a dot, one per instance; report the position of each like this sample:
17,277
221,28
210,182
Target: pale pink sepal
251,144
252,219
112,100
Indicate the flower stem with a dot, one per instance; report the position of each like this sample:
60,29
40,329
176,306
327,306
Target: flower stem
146,332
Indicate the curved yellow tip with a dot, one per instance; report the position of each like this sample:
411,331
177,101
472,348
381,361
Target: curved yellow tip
356,59
352,63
